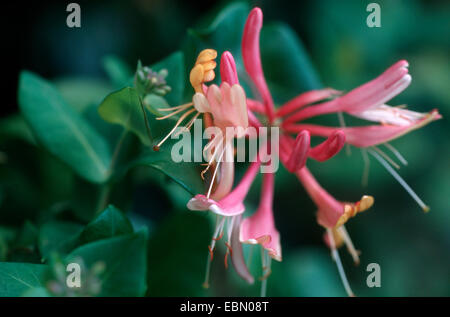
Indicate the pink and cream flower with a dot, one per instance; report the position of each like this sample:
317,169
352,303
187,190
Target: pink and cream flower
228,106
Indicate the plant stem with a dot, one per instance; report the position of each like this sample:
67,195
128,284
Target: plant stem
106,188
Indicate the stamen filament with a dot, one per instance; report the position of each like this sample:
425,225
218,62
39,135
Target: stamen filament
191,122
210,162
219,227
386,157
174,113
186,105
337,260
396,153
215,172
365,175
349,244
175,127
401,181
341,119
266,263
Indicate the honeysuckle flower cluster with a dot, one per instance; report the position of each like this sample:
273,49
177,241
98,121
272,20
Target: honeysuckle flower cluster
226,105
148,81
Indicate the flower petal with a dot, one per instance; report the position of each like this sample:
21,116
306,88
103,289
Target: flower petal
329,148
228,71
299,152
252,58
366,136
260,227
370,95
237,257
305,99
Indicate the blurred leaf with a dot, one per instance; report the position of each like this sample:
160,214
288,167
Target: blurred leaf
177,256
222,33
118,71
62,130
125,262
58,237
309,272
124,107
82,93
17,278
287,66
186,174
25,245
36,292
154,102
111,222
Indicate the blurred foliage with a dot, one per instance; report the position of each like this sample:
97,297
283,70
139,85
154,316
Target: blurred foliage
77,153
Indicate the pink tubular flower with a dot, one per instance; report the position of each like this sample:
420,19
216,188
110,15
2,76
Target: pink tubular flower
260,227
233,203
229,106
252,58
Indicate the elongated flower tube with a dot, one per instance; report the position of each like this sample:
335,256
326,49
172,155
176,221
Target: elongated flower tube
365,136
252,58
233,203
260,227
306,99
237,256
331,213
366,97
228,106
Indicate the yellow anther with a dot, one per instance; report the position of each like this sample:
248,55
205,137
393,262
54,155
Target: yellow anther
209,75
203,71
350,210
209,65
196,77
206,56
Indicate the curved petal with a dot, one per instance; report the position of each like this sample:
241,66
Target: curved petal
366,136
331,212
299,152
370,95
228,71
252,57
260,227
328,148
237,256
305,99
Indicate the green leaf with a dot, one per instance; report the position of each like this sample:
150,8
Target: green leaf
287,66
37,292
177,256
309,272
61,129
111,222
124,107
176,77
118,71
223,33
125,262
82,93
186,174
24,248
58,237
18,278
154,102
